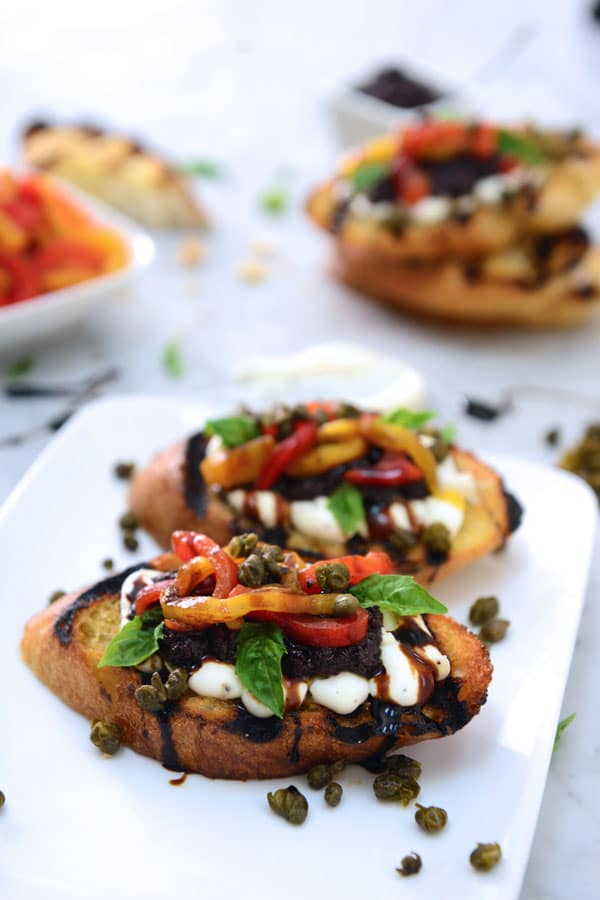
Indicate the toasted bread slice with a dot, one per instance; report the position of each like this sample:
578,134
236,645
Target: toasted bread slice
505,291
158,498
117,170
63,644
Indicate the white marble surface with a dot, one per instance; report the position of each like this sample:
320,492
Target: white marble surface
245,84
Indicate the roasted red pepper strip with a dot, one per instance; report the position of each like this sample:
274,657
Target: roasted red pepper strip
187,544
24,280
149,596
314,631
284,454
392,469
359,567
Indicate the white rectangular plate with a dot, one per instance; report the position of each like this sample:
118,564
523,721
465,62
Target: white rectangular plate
77,825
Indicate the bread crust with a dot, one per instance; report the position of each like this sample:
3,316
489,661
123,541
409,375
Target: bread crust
156,496
218,738
443,291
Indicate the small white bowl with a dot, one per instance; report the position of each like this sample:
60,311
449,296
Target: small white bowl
49,314
358,117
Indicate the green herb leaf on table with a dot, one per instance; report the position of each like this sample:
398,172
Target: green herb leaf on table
136,641
274,201
560,728
205,168
21,367
399,594
172,359
408,418
233,430
369,174
259,650
520,147
346,505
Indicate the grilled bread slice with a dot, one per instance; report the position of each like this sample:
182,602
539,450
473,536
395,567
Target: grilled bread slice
507,288
64,643
115,169
161,497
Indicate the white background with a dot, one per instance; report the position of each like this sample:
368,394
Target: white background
246,84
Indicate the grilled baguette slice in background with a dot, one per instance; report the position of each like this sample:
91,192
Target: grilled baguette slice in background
158,498
115,169
63,644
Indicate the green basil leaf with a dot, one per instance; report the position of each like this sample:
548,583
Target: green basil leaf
206,168
448,433
136,641
259,650
408,418
369,174
560,728
399,594
346,504
521,147
233,430
21,367
172,359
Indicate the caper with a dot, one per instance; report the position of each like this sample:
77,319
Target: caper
55,595
388,786
176,684
108,564
431,818
252,571
106,736
410,865
124,470
318,777
484,609
333,794
345,605
2,799
128,521
552,437
336,768
130,541
439,449
333,577
289,803
436,539
347,411
405,766
152,697
493,631
242,544
273,558
402,540
485,856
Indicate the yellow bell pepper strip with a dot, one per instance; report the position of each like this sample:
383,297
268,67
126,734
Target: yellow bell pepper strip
198,612
325,456
241,465
338,430
394,437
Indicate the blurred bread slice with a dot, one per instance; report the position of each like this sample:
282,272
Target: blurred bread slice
117,170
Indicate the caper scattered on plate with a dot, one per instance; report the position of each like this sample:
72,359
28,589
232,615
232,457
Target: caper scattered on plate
124,470
493,631
128,521
484,609
106,736
108,564
333,793
130,542
319,777
584,458
431,818
402,765
333,577
485,856
552,437
289,803
410,865
55,595
388,786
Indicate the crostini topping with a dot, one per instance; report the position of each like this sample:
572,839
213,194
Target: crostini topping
322,606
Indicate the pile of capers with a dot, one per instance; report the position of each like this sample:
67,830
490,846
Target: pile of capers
153,697
261,563
484,612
